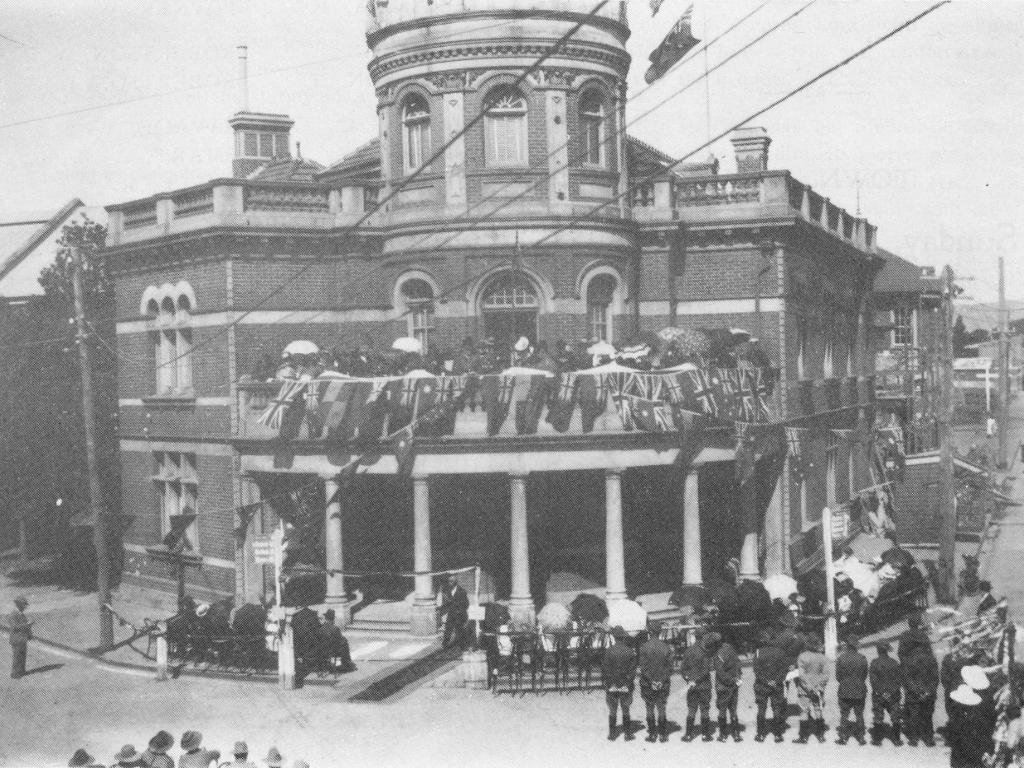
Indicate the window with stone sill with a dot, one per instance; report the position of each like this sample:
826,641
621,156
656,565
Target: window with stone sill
415,132
171,336
419,307
600,294
505,131
177,488
592,130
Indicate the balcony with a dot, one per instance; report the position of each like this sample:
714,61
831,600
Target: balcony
765,195
240,203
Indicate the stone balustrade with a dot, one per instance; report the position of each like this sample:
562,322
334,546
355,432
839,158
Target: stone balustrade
397,11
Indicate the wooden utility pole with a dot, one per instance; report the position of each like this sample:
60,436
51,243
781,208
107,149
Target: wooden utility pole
99,518
1003,426
946,587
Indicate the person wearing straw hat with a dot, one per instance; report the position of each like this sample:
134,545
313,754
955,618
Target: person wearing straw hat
195,756
618,670
920,686
127,757
241,753
274,758
82,759
886,693
852,675
20,629
965,729
655,658
156,755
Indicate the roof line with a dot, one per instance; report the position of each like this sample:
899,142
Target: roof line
48,228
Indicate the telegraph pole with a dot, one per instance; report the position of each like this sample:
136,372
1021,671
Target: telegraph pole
99,518
946,588
1003,427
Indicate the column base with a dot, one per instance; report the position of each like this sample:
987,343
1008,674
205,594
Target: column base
342,609
423,619
521,611
612,597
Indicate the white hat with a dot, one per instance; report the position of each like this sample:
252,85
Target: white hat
975,677
202,609
965,695
523,344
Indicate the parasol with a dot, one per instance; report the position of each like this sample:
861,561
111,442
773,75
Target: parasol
589,608
692,595
898,558
739,335
634,352
780,586
407,344
627,614
518,370
301,347
861,575
554,617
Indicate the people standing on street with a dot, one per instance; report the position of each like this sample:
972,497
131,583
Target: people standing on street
814,675
455,609
21,632
920,685
728,676
241,753
156,755
619,673
965,730
696,670
655,680
852,676
886,689
195,756
771,665
914,636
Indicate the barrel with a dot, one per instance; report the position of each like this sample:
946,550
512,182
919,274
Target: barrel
474,669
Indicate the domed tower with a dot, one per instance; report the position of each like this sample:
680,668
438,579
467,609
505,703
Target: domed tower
546,151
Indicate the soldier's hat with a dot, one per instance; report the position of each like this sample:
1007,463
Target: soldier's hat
81,757
191,740
161,742
128,754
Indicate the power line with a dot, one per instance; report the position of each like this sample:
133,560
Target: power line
12,40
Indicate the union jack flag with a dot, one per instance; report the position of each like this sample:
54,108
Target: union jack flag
762,391
798,465
273,416
746,395
702,392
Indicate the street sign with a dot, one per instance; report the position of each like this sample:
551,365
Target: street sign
263,550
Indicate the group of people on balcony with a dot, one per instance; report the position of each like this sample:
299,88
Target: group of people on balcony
718,348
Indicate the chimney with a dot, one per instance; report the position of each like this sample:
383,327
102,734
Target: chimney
751,147
260,137
243,78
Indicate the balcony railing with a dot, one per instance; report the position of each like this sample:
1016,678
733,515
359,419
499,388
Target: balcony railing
240,202
397,11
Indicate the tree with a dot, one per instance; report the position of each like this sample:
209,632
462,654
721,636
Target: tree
959,336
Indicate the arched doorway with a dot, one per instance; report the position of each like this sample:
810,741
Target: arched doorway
510,307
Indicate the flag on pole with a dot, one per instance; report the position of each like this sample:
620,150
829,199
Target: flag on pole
677,43
655,6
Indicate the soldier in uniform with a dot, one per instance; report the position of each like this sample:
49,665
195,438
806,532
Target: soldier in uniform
618,670
728,675
771,665
886,686
852,675
696,670
655,678
811,684
21,632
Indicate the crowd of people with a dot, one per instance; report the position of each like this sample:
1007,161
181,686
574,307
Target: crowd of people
903,688
193,755
647,351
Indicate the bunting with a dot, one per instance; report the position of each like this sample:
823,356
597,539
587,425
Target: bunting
563,402
273,416
498,394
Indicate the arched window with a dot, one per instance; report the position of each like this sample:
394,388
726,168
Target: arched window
505,128
592,131
510,307
600,294
415,132
169,310
511,292
419,304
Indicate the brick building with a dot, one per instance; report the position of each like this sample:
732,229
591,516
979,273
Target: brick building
545,220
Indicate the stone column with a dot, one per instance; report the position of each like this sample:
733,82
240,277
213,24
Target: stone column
615,552
424,606
336,596
748,558
521,601
692,571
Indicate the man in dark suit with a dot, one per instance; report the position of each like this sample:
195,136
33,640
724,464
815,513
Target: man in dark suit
455,609
21,633
852,675
331,644
655,677
920,685
618,669
696,670
771,665
886,688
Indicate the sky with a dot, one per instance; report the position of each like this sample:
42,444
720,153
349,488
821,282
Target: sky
109,101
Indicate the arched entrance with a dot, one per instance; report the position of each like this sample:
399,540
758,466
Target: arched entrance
510,306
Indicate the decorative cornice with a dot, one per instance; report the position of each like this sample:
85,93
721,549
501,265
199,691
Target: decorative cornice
590,53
